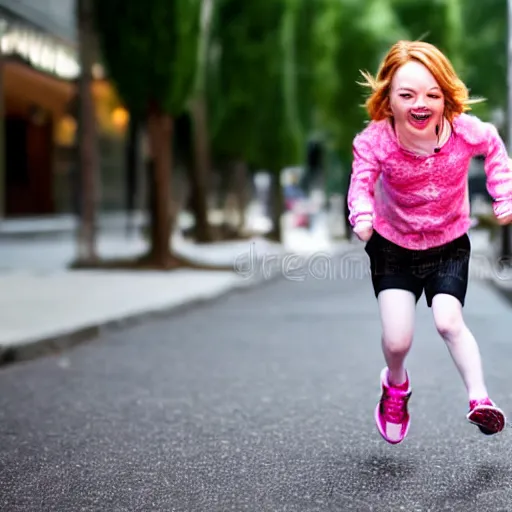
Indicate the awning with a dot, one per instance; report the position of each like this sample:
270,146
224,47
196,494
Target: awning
24,87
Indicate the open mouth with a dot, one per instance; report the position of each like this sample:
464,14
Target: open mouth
420,117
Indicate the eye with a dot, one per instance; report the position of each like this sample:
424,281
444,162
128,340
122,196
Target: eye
434,96
405,95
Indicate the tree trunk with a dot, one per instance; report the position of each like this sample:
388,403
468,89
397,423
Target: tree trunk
228,195
132,159
200,171
160,126
87,157
240,191
235,195
276,234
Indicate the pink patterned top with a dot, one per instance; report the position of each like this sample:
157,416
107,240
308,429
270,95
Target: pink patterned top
419,202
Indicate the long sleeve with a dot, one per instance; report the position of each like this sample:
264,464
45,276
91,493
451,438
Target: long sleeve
498,171
365,171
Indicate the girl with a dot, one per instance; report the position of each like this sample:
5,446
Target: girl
408,201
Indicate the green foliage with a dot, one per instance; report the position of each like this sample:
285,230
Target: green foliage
290,65
299,65
485,51
277,70
251,116
276,145
434,21
237,61
351,35
150,49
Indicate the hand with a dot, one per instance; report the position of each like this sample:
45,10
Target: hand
363,230
503,212
505,219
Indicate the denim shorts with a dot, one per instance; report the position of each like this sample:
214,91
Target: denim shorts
443,269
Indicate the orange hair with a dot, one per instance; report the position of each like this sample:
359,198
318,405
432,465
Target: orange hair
455,92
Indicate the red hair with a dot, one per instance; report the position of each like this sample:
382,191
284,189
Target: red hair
455,92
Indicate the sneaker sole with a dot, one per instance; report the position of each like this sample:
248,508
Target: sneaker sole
491,420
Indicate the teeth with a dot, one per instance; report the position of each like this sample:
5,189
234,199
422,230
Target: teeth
421,117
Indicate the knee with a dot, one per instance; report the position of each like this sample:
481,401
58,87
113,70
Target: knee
397,344
449,324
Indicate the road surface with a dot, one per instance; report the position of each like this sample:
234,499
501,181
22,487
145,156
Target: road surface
262,401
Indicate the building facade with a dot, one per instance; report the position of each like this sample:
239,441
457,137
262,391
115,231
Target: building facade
38,113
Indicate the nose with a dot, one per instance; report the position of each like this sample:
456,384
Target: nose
420,102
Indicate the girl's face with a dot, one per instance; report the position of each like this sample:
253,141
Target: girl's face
416,100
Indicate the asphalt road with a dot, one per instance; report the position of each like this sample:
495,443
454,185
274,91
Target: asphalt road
262,401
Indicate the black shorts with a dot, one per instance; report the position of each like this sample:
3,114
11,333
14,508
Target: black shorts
443,269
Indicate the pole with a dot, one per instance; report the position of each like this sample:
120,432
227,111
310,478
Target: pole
506,238
87,139
509,76
3,181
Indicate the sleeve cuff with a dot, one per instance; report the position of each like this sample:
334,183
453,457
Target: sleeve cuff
502,208
363,217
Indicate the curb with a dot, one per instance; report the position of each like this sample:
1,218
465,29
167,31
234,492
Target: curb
58,343
56,233
34,235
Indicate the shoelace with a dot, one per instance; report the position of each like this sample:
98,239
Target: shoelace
394,407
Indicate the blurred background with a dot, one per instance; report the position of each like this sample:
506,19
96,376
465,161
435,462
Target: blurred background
205,121
162,153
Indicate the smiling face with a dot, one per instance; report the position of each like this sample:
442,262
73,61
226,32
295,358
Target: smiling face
416,100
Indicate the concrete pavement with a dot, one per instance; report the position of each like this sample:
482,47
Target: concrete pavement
45,307
54,225
262,402
50,226
41,314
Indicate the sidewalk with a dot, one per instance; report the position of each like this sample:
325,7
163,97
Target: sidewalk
45,307
43,313
108,222
63,224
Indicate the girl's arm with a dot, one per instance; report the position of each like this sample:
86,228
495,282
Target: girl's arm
498,169
365,171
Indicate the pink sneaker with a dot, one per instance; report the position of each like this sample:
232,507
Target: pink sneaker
486,416
391,414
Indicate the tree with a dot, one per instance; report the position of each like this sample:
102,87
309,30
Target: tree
351,37
484,52
439,23
485,55
150,50
199,171
299,74
87,149
236,64
278,134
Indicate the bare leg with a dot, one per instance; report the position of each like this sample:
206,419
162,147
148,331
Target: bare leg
397,311
463,348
